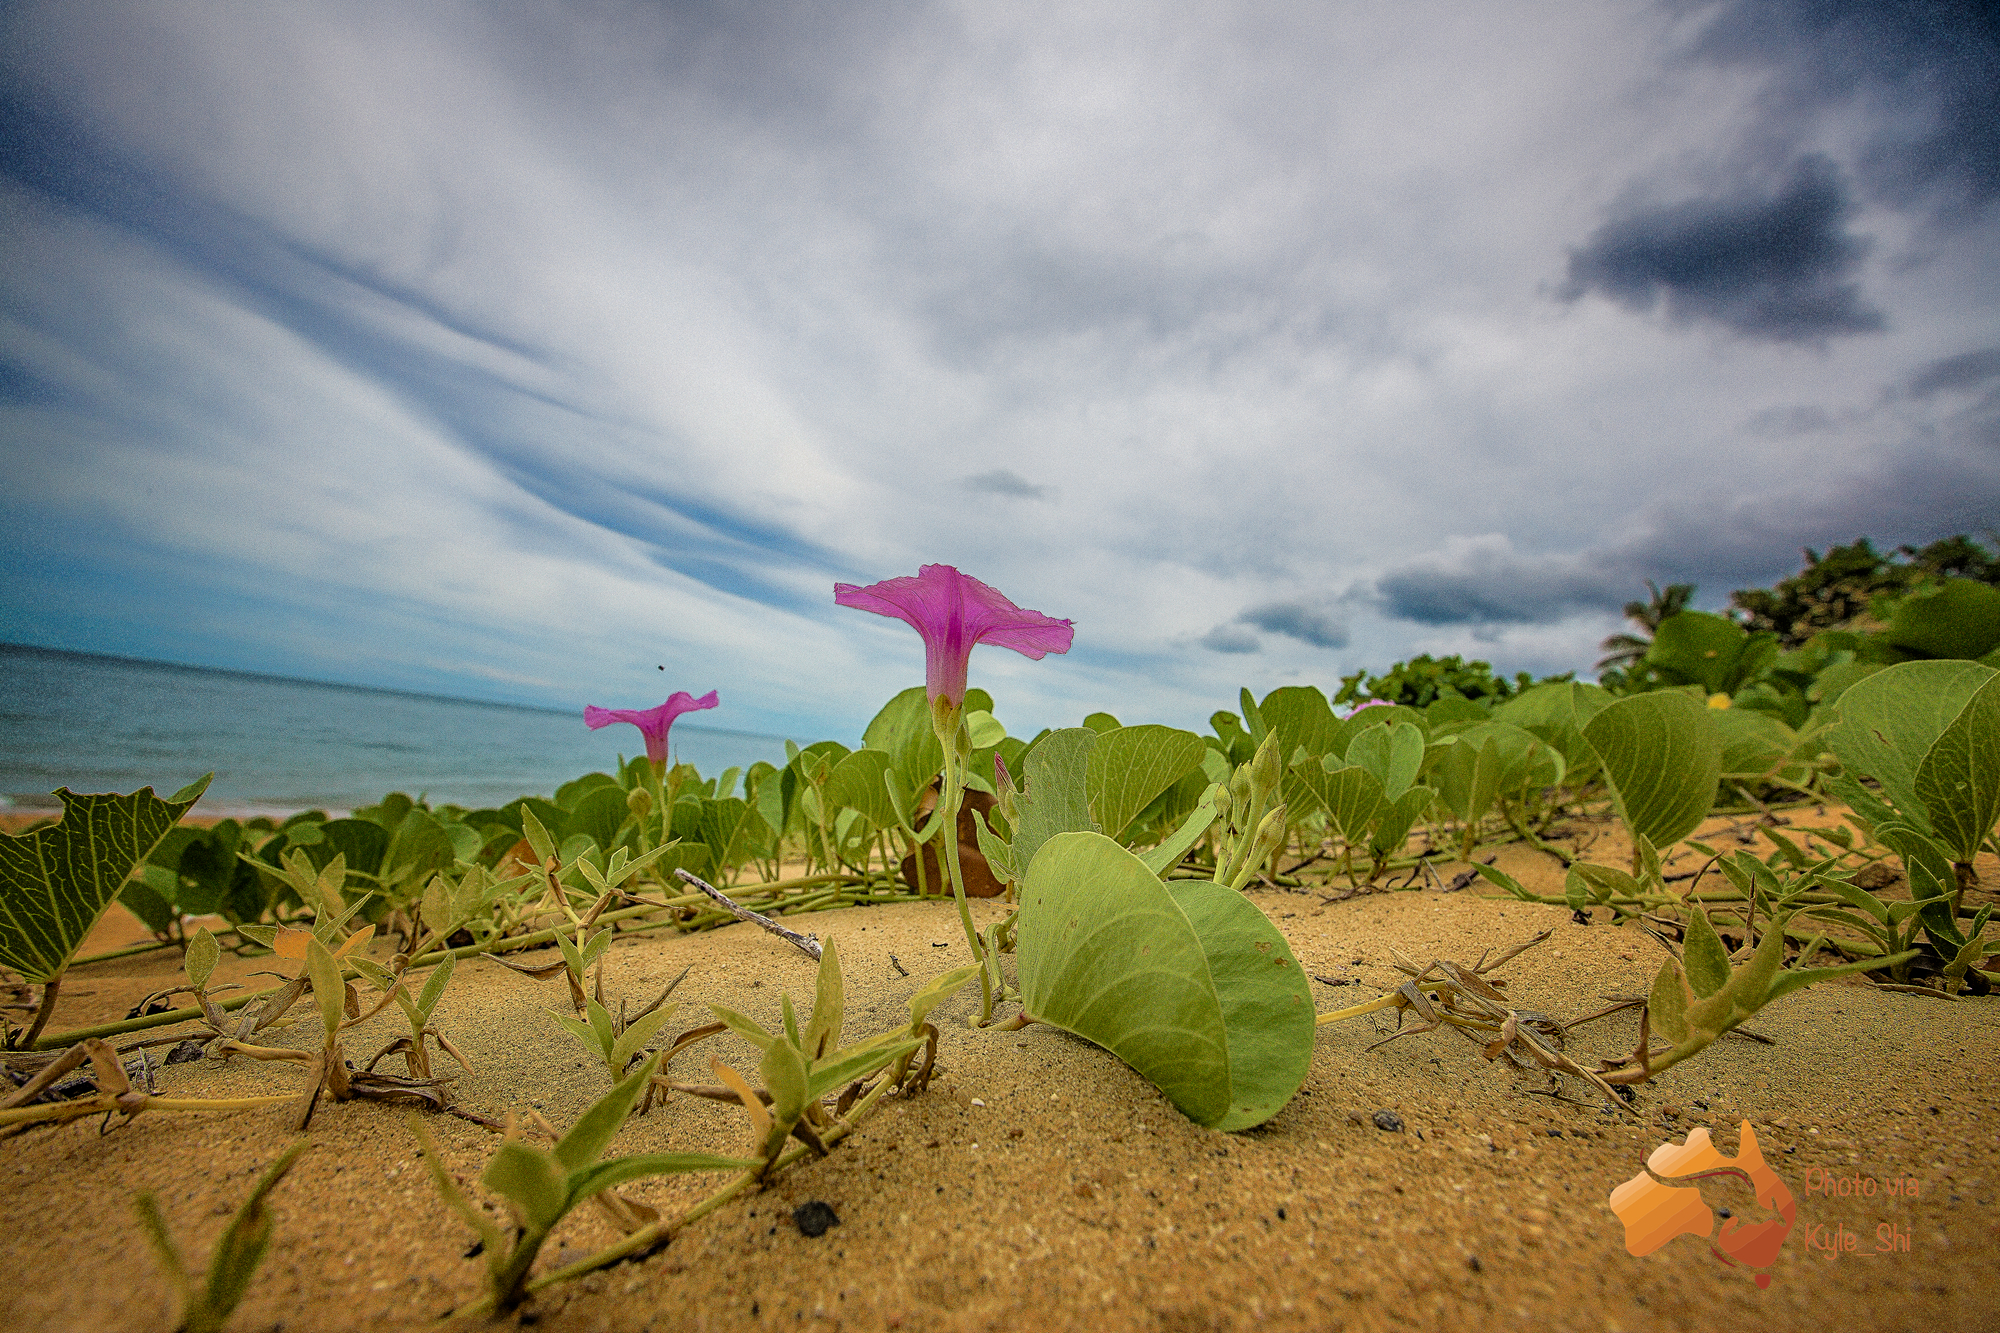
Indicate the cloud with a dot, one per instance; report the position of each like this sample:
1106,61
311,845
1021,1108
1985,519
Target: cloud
1770,268
1231,639
1298,621
1001,481
1968,370
1483,580
1927,74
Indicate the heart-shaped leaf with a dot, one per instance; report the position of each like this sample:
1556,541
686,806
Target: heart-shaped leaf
1662,757
1131,766
56,882
1889,723
1219,1022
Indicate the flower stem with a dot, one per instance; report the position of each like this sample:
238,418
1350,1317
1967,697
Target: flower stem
948,721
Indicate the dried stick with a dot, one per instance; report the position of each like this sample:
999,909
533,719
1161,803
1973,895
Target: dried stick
806,944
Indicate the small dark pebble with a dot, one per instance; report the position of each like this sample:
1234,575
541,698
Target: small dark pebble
186,1053
1472,1262
1390,1121
1281,1214
1724,1212
478,1248
814,1217
1555,1133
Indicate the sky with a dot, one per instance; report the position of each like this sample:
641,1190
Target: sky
569,353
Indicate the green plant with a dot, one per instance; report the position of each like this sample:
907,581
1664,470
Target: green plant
55,882
1423,680
207,1307
541,1185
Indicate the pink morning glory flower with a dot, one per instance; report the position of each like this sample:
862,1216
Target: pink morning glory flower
954,611
653,723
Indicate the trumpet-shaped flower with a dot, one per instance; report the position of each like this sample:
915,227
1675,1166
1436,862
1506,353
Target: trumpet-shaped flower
653,723
953,612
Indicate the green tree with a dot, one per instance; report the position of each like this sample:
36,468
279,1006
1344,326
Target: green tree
1622,650
1838,590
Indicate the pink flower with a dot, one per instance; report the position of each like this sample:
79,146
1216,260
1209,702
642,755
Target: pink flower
653,723
954,611
1372,703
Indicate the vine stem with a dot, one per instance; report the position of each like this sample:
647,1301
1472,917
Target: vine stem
1389,1001
947,720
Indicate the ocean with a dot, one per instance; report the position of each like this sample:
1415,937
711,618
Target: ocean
277,745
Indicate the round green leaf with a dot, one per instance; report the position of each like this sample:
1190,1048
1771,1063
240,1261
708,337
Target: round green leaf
1219,1022
1662,755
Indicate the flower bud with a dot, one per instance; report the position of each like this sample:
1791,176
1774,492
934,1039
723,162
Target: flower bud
639,801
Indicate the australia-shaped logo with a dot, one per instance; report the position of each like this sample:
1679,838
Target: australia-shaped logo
1655,1212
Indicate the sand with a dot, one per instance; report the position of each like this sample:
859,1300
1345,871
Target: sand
1042,1184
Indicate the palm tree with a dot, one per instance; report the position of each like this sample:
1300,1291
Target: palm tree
1622,650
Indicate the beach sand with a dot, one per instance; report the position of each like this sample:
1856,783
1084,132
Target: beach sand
1040,1183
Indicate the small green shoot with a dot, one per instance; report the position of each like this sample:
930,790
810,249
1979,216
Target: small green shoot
206,1308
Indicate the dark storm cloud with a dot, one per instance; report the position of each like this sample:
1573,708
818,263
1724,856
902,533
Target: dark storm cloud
1772,267
1002,481
1933,66
1299,621
1231,639
1719,541
1969,370
1483,582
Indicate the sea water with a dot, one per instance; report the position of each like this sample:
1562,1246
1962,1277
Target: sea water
277,745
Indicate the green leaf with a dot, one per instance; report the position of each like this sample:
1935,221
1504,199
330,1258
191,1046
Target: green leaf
1932,882
602,1176
1496,876
1394,820
600,1026
829,1005
531,1179
1889,723
57,881
857,1061
1958,618
1106,953
596,1127
1468,778
735,833
1168,854
1662,757
1350,796
329,991
202,954
983,729
937,990
1131,766
598,814
1958,779
746,1028
1391,754
1754,745
1605,882
243,1243
1055,794
1714,652
537,836
1267,1010
636,1034
434,987
1111,954
1703,957
862,782
784,1071
1667,1003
